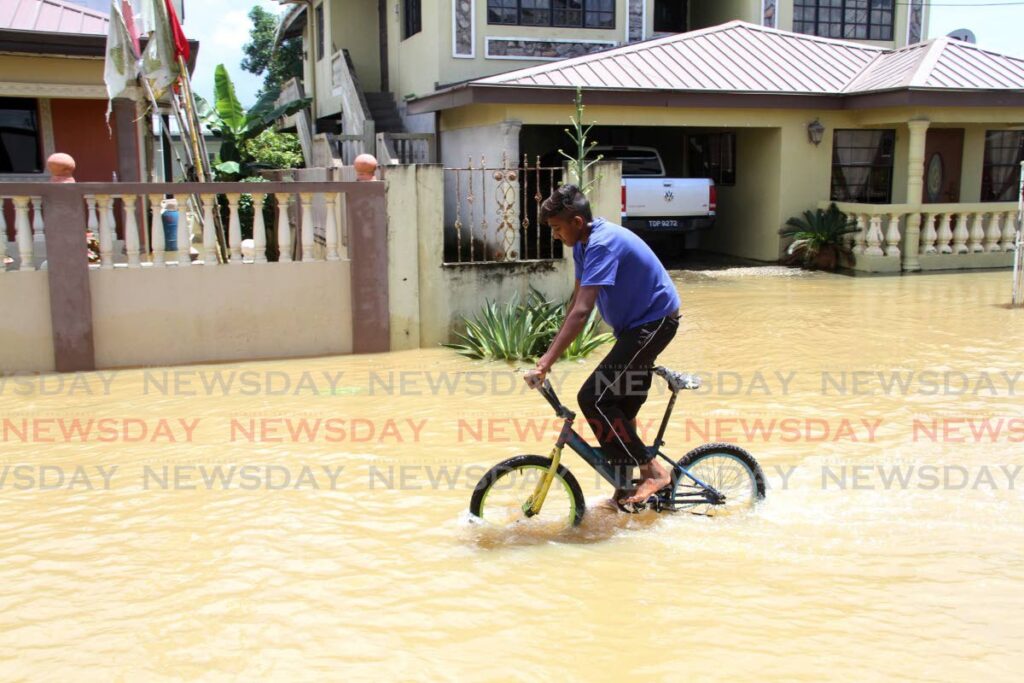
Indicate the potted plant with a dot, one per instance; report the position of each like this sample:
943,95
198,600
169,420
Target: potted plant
819,239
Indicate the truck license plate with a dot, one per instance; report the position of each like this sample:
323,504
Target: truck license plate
663,223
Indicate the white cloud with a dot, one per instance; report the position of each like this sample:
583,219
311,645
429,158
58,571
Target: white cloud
222,28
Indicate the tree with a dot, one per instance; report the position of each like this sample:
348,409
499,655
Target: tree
261,59
236,127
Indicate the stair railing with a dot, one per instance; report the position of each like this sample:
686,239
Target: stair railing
357,125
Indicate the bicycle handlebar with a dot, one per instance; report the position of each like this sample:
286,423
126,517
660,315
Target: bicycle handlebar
548,392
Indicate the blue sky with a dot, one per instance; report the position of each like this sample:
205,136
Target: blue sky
221,26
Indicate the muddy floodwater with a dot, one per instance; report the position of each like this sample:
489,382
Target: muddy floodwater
307,519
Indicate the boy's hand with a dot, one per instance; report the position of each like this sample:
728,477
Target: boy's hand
535,377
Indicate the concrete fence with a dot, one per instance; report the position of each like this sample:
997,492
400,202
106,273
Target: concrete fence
428,298
361,269
161,308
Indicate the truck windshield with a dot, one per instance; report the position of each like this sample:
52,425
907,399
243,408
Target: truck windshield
635,162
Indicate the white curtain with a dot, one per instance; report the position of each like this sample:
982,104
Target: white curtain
1003,152
854,151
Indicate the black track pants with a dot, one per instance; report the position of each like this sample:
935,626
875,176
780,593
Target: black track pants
611,397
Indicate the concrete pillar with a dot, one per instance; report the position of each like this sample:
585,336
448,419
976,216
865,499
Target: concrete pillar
915,184
403,255
368,251
434,310
68,275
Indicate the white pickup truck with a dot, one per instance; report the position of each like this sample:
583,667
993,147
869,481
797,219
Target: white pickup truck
655,204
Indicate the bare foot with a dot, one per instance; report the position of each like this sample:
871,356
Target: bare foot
656,478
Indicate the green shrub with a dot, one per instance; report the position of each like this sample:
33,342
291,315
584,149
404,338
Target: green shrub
271,149
524,331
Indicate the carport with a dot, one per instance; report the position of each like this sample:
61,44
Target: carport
734,157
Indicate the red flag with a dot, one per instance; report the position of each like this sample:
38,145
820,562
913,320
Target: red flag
129,23
181,47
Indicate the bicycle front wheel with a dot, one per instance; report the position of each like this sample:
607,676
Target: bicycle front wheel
728,469
500,495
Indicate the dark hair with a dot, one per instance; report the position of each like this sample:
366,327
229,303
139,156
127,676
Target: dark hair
565,202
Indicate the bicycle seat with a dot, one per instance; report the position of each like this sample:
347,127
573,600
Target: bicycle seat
678,381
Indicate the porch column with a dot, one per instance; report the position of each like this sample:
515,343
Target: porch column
915,185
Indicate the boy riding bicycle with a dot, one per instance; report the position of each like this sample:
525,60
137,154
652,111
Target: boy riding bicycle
619,273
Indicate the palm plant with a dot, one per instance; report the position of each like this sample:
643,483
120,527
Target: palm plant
523,330
819,238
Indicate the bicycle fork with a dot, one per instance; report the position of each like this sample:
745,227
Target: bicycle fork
534,503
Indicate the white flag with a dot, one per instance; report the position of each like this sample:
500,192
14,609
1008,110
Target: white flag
159,66
121,66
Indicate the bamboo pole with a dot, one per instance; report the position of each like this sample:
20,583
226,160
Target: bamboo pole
199,146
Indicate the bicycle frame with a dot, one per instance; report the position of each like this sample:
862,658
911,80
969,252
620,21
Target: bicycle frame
621,477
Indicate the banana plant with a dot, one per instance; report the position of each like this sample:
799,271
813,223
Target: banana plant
229,121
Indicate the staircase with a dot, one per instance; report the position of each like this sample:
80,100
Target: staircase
370,122
384,112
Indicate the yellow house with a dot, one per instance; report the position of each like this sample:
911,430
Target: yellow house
403,49
919,141
922,144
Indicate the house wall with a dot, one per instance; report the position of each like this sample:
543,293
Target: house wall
749,211
354,26
26,330
172,316
317,74
418,65
40,71
779,172
415,61
80,129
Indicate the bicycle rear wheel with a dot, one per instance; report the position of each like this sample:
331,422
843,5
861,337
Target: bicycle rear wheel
728,469
499,497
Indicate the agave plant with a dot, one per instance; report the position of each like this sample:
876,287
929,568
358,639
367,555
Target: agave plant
819,238
523,330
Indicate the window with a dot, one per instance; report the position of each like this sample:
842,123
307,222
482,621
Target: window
712,155
560,13
1000,172
670,16
412,18
857,19
319,32
19,136
862,166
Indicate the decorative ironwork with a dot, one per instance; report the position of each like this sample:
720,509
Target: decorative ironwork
505,197
517,190
458,214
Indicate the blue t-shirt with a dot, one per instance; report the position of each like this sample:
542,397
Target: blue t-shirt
635,287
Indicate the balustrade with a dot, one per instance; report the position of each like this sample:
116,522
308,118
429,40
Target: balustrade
137,211
951,231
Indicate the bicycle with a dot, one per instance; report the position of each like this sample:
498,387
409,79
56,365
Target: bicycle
709,480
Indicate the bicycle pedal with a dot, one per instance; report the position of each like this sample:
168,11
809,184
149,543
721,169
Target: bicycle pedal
652,503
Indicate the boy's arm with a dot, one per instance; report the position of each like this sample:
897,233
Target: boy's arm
572,299
583,302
